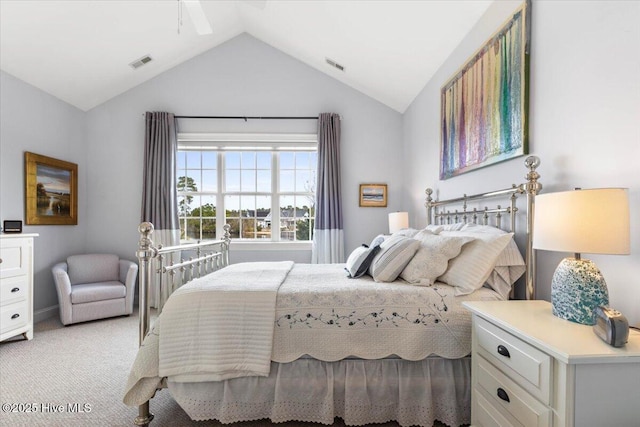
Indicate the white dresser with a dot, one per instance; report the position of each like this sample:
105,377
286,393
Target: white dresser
16,285
531,368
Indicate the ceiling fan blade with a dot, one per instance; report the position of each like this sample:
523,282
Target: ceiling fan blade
199,19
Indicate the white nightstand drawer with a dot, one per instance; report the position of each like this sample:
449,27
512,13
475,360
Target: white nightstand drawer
488,415
525,364
508,395
13,289
13,316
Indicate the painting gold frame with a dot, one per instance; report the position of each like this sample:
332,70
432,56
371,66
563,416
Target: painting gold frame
373,195
51,191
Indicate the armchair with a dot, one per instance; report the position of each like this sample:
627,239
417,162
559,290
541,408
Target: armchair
94,286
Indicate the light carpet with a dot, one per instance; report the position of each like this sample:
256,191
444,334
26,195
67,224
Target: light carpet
76,375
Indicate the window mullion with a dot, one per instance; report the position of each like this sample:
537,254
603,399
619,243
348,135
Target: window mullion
275,198
220,210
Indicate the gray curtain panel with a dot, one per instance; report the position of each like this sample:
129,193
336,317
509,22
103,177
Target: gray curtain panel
159,197
159,193
328,236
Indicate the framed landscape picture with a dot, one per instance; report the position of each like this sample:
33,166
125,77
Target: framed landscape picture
373,195
484,106
51,191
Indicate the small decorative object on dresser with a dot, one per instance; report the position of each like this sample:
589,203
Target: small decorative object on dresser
530,368
12,226
16,285
592,221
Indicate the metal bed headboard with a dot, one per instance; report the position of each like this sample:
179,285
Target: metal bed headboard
436,215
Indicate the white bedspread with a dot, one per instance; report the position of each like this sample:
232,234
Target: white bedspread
221,326
323,314
318,312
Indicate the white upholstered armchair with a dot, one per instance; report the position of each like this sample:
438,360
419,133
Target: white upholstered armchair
94,286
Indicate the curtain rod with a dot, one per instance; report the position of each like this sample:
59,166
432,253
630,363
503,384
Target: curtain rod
245,118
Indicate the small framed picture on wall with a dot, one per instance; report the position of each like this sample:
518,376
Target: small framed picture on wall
51,191
373,195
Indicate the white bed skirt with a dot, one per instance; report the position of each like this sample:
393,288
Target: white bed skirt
358,391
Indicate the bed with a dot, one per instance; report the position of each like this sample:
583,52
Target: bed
298,342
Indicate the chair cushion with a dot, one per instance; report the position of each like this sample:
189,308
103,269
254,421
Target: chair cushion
81,294
92,268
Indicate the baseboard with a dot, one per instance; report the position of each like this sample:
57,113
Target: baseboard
45,313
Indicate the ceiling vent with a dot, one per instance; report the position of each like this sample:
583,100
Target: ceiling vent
140,62
334,64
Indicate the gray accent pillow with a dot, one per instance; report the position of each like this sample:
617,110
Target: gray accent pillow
360,259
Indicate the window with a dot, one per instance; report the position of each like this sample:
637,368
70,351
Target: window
263,186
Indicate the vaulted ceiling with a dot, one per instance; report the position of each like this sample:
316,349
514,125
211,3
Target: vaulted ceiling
80,50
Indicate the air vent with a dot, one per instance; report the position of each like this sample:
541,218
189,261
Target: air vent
334,64
140,62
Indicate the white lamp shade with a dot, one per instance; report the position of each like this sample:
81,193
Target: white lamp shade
398,221
583,221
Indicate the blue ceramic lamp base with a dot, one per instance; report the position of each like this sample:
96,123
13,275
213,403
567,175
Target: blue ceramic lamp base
577,289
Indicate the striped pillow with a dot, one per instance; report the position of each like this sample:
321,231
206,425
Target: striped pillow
359,260
509,266
395,253
469,270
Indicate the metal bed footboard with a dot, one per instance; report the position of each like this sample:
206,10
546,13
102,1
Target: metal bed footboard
209,256
438,216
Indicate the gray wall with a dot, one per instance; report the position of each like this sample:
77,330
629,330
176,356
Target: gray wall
243,77
584,122
31,120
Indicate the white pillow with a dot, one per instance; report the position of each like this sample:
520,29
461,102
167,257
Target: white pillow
435,229
432,258
456,226
378,240
360,259
395,253
469,270
407,232
509,266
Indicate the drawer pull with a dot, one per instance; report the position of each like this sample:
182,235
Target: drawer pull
502,350
503,394
15,316
15,290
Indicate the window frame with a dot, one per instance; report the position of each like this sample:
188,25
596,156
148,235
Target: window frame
274,143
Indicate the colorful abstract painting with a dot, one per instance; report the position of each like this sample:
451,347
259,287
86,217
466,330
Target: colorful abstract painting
484,106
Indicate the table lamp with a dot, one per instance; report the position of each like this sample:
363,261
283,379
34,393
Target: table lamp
398,221
592,221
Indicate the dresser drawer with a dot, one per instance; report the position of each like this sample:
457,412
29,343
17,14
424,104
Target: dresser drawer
524,364
13,316
506,394
13,289
14,259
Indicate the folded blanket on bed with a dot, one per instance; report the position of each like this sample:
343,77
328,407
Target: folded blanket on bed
221,326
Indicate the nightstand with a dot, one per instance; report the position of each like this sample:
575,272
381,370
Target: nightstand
531,368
